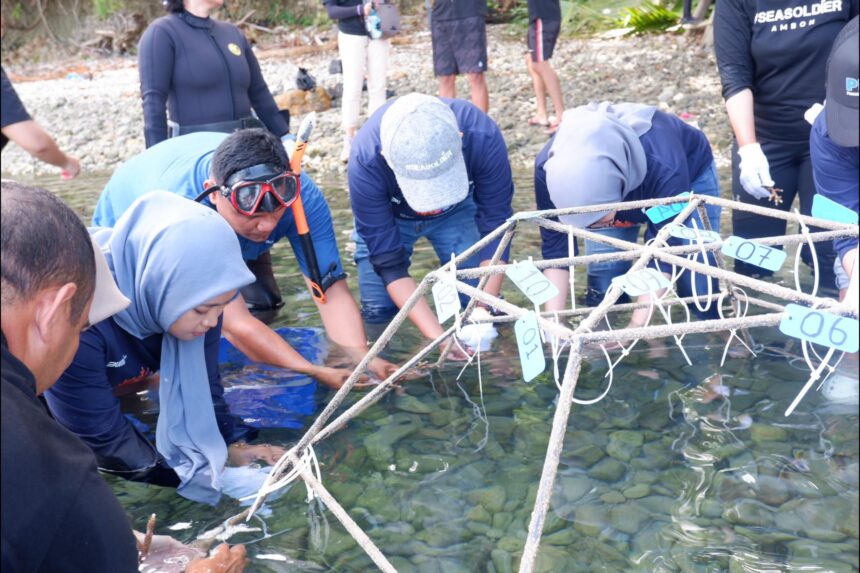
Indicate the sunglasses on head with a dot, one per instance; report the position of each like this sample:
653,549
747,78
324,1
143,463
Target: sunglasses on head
261,188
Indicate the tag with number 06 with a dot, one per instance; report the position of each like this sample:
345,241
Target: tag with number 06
530,346
820,327
446,299
531,281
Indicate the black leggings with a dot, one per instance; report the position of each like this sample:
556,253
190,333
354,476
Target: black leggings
791,170
263,296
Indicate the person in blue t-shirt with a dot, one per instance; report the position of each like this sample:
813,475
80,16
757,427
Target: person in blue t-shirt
423,166
215,168
172,327
834,145
605,153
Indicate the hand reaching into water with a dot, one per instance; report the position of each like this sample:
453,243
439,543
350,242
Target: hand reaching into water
224,559
333,377
167,555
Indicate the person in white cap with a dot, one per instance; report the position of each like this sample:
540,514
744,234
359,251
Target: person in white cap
58,514
833,144
424,166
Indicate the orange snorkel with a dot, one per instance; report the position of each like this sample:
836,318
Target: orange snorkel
302,137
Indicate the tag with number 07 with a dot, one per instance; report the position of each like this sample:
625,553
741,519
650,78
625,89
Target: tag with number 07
531,281
445,299
530,346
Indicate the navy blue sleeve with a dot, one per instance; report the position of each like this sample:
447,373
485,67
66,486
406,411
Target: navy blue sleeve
732,37
664,180
156,53
231,428
374,218
82,400
553,244
336,12
836,171
12,110
260,96
494,187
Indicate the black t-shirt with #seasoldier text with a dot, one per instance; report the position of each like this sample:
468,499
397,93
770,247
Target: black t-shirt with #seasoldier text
778,49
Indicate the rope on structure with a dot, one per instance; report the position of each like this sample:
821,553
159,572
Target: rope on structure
300,460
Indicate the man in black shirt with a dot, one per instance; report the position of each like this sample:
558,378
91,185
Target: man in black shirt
57,512
458,31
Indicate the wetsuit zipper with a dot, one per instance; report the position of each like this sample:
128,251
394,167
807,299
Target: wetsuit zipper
227,69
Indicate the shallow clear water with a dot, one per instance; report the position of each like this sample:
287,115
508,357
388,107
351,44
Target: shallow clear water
675,470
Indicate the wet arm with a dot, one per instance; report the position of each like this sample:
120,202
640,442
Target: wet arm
421,316
259,342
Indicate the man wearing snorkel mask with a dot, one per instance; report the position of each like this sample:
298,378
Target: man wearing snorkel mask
246,177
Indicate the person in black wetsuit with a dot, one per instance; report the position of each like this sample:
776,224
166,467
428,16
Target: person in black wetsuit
771,57
204,73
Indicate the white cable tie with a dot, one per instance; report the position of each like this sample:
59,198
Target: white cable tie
570,270
692,257
815,272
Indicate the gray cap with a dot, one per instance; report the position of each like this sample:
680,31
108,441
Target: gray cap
421,142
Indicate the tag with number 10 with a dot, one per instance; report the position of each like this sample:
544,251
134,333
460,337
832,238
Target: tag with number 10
531,281
530,346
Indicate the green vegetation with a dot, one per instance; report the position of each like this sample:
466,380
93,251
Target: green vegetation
103,9
582,17
651,16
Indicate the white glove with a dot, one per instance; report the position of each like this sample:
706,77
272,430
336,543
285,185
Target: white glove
755,171
477,336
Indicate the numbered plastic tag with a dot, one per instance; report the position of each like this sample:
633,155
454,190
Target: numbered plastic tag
660,213
446,299
641,282
531,348
820,327
753,253
682,232
531,281
825,208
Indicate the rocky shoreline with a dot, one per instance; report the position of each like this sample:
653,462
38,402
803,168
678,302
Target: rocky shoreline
97,115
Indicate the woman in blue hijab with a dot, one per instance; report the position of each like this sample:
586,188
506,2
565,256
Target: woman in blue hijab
179,263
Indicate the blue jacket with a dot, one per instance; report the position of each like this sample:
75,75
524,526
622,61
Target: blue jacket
83,400
204,71
675,155
836,171
377,200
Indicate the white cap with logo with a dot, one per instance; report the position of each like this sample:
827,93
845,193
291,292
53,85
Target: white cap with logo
421,142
